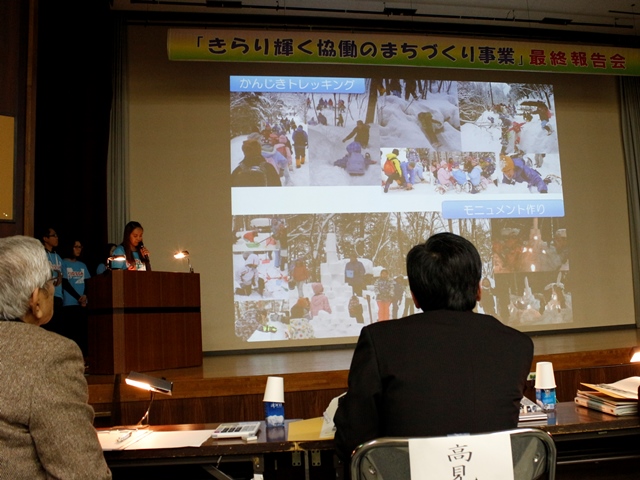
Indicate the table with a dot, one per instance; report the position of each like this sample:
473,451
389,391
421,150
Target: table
302,459
582,436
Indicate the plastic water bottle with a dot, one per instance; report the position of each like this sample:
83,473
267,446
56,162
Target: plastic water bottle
546,398
545,387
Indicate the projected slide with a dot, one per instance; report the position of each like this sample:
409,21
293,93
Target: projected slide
335,179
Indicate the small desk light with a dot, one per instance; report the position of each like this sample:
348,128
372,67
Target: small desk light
153,385
636,355
184,254
110,260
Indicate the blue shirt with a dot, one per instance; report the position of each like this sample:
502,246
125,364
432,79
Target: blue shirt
123,265
76,272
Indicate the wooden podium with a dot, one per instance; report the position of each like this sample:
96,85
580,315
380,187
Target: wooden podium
143,321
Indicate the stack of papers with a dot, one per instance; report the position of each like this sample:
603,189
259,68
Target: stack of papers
619,398
148,439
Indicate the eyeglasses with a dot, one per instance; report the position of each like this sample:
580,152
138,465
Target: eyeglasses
55,235
78,246
51,281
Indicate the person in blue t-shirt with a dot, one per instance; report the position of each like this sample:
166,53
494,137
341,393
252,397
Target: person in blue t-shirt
135,253
74,274
49,239
107,254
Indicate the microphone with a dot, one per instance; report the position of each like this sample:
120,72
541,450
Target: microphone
145,257
140,247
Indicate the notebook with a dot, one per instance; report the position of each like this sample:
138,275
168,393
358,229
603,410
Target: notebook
234,430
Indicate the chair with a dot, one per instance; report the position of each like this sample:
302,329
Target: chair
533,454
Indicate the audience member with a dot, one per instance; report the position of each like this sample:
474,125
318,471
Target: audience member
46,426
445,371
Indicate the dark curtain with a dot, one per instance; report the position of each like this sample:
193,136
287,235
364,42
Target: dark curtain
72,122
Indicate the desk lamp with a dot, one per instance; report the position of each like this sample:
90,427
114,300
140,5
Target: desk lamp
635,357
184,254
153,385
119,258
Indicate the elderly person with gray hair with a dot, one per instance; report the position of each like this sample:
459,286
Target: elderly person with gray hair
46,426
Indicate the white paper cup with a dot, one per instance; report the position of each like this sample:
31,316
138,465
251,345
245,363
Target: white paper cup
274,392
544,376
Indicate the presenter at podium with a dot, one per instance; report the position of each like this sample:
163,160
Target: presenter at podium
132,248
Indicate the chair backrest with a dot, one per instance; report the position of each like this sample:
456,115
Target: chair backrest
533,455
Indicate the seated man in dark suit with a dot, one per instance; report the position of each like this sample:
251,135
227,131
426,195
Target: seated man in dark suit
46,426
447,370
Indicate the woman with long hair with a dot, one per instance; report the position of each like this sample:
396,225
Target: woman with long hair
135,253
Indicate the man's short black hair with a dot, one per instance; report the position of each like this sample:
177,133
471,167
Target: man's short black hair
444,273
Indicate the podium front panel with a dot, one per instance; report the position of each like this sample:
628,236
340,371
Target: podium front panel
144,321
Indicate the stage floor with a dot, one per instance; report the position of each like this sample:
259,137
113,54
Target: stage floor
232,386
610,346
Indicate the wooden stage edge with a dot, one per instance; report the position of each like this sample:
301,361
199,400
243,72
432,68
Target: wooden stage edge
230,387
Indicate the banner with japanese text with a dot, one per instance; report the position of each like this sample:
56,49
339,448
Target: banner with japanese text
399,50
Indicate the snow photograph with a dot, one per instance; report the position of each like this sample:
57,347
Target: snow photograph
507,117
432,172
308,138
331,274
277,121
531,271
517,122
419,114
343,139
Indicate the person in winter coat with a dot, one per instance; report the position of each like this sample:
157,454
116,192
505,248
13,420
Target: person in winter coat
515,170
284,147
393,170
384,295
355,309
444,174
319,301
300,275
475,175
361,134
458,174
354,162
409,174
545,115
300,141
398,295
275,158
253,170
354,273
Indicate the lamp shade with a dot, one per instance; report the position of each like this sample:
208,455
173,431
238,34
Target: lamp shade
147,382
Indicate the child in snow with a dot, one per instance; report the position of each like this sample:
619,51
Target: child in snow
319,301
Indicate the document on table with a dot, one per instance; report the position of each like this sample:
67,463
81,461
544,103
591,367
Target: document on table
148,439
319,428
302,430
625,388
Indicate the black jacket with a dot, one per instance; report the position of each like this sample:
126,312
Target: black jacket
433,374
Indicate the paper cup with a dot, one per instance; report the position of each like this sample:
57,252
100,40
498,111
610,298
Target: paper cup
274,392
544,376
